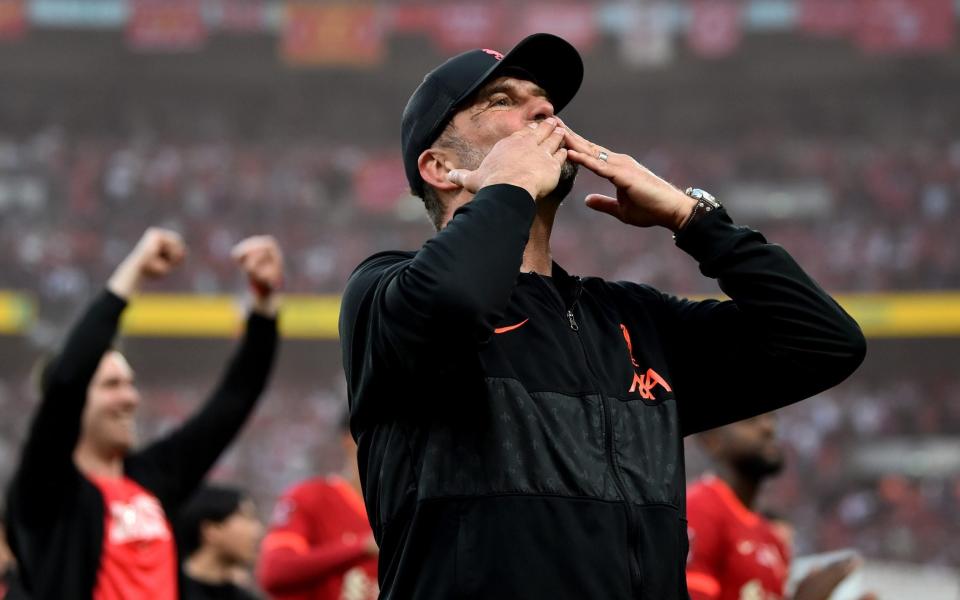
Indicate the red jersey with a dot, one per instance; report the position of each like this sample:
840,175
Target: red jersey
317,546
735,554
139,558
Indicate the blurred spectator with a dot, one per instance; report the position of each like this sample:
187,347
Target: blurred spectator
218,532
70,203
320,544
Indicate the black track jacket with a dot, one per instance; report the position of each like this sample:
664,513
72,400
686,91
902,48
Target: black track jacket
520,436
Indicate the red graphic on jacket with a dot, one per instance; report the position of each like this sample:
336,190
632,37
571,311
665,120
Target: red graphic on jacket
644,384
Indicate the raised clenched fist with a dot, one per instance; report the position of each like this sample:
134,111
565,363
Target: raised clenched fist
262,261
158,252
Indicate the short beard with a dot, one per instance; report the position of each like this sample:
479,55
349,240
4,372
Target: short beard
568,175
757,468
468,156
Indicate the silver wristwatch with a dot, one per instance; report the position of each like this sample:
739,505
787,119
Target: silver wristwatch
706,203
705,200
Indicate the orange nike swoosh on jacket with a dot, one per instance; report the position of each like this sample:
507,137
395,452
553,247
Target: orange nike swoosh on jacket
511,327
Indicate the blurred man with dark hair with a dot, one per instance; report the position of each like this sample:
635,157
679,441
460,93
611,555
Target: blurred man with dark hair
218,534
735,552
320,546
520,428
88,514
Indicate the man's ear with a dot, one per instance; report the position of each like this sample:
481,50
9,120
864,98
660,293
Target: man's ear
208,531
434,164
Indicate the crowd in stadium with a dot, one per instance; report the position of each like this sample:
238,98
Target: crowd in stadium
896,516
73,203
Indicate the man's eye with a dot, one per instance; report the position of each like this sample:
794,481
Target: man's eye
501,101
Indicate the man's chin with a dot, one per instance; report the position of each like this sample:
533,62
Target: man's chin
123,448
759,467
123,444
568,175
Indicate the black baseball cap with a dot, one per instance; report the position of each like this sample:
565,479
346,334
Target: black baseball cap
552,63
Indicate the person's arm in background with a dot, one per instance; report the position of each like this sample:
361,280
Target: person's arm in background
46,469
780,339
294,559
820,583
175,464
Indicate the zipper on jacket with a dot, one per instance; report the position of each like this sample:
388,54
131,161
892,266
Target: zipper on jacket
607,427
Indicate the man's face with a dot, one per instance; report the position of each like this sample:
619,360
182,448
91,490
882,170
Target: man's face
112,400
237,537
750,446
502,107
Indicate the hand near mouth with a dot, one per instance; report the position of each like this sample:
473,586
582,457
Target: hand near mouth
642,198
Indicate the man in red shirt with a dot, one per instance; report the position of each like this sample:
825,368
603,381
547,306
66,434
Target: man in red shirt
88,513
320,546
735,553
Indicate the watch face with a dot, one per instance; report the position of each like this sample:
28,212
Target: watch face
698,194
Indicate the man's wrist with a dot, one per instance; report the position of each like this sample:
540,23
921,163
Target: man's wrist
125,280
683,213
703,202
265,306
520,182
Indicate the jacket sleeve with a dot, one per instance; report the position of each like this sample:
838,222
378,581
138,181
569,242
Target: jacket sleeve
46,473
449,296
174,465
779,339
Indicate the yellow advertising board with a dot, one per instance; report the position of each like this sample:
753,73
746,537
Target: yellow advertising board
892,315
17,312
172,315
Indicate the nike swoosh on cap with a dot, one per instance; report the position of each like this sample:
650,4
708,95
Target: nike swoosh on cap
511,327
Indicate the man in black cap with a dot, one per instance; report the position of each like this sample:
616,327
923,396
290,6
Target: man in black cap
520,429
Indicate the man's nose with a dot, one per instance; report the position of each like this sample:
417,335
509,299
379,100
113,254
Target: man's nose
540,109
131,396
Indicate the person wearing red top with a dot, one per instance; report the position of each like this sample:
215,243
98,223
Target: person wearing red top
735,553
320,545
88,512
